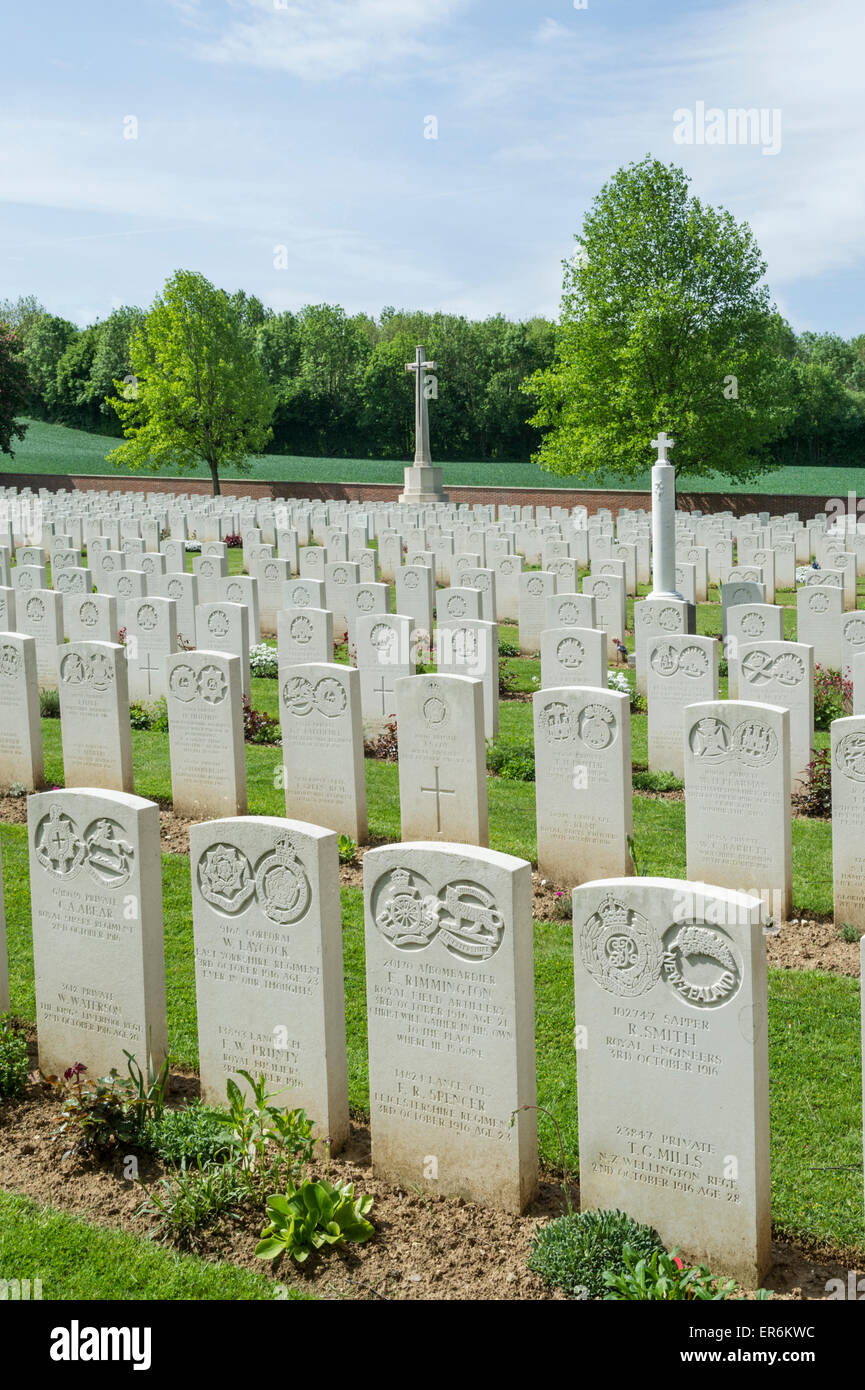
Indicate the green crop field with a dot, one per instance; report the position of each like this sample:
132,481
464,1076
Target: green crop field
56,449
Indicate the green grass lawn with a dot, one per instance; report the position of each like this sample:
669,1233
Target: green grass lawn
814,1045
73,1259
58,449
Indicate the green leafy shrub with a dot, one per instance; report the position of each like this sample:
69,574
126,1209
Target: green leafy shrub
814,797
833,696
508,649
848,933
664,1277
152,715
259,727
646,781
512,759
573,1252
110,1111
311,1216
271,1145
14,1058
49,704
193,1131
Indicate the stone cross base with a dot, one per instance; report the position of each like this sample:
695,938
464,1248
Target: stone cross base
423,483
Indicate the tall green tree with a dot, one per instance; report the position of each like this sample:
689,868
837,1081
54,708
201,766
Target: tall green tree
200,393
46,339
665,323
14,389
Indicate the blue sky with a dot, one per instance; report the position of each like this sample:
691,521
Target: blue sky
264,124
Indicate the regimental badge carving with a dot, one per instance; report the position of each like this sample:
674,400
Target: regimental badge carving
710,740
435,708
850,756
297,695
217,623
472,927
788,669
301,630
411,579
108,564
597,726
570,653
569,614
481,582
10,660
620,950
601,589
109,855
456,606
88,613
300,596
754,743
535,587
556,722
182,684
669,619
339,575
740,595
753,625
57,844
73,669
365,601
330,697
225,878
382,639
206,568
506,566
175,588
271,572
854,631
757,668
212,685
25,580
664,659
701,964
818,603
124,586
234,592
405,909
281,883
35,610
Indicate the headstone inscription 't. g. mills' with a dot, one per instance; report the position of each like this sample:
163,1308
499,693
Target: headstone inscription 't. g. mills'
451,1021
672,1065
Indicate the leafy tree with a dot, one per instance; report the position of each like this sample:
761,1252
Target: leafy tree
14,392
112,360
200,392
46,338
664,324
74,403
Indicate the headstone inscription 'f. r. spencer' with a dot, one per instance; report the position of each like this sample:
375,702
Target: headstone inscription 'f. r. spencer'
96,894
451,1021
737,799
672,1065
268,964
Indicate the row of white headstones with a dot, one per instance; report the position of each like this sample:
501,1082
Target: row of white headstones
671,1007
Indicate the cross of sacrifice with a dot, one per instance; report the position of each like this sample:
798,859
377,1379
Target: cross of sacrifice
421,414
662,444
439,792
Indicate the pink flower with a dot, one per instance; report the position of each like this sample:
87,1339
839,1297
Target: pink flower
680,1264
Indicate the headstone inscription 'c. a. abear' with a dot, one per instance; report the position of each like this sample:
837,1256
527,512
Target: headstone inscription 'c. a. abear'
451,1021
672,1065
96,894
268,964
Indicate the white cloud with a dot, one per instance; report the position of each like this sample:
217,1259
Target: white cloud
320,40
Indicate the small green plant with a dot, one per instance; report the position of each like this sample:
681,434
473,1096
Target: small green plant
508,681
95,1115
508,649
18,789
311,1216
272,1145
848,933
664,1277
574,1252
259,727
646,781
192,1197
512,759
833,696
347,849
723,666
152,716
193,1131
14,1058
49,704
639,866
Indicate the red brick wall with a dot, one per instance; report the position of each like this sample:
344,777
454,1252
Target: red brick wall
736,502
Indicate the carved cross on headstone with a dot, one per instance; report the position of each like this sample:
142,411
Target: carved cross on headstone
421,414
439,791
